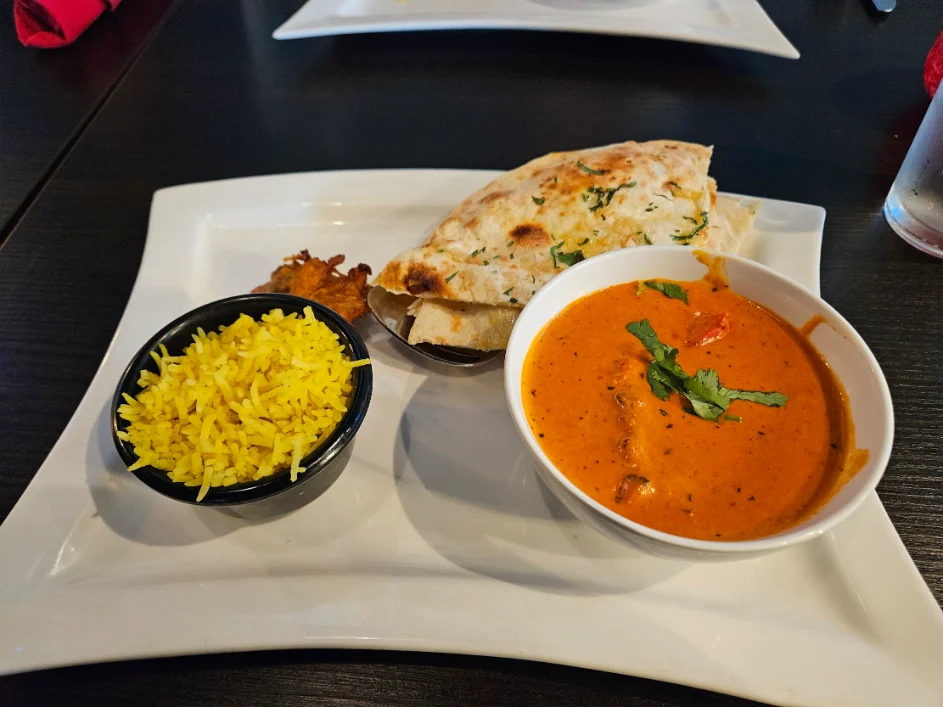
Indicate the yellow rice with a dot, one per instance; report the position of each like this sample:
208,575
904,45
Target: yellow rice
240,404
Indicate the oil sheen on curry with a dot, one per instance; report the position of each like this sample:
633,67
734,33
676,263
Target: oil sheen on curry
689,409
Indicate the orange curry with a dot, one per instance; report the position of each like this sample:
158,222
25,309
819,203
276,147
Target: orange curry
753,471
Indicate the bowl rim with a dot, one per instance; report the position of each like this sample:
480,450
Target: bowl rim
813,526
280,481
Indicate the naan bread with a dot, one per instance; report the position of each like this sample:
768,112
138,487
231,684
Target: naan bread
473,326
503,243
730,222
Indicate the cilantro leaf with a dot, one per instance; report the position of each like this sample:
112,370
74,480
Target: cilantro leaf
663,354
658,382
697,229
568,259
708,398
604,196
662,382
703,390
668,289
538,200
643,332
769,399
704,409
590,170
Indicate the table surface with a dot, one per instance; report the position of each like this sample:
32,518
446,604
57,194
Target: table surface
51,96
829,129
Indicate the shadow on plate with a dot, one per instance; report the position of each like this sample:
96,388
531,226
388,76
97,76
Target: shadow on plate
467,486
137,513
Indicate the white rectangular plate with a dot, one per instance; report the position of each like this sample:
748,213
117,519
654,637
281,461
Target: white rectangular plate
727,23
437,536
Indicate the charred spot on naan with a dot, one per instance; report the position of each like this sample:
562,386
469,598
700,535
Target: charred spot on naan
530,234
420,279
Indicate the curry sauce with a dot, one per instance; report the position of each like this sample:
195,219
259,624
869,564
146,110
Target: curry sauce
754,471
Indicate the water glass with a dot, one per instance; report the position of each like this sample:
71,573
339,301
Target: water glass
914,206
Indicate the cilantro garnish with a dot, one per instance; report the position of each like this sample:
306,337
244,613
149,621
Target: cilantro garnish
538,200
604,196
590,170
697,229
708,398
668,289
507,291
568,259
756,396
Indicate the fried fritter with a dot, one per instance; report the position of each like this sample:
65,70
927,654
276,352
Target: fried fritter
319,280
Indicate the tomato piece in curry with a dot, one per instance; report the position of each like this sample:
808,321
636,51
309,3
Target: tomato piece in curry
754,471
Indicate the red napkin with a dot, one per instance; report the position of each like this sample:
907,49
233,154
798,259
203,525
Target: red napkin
933,69
48,24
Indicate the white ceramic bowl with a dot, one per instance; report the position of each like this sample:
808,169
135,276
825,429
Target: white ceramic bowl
845,350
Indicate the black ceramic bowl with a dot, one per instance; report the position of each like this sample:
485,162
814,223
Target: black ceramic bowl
276,493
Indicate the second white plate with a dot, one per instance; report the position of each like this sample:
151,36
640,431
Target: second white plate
438,535
729,23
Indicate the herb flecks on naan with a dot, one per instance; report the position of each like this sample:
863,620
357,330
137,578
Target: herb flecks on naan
507,240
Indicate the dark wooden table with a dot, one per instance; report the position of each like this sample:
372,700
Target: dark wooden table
47,98
213,96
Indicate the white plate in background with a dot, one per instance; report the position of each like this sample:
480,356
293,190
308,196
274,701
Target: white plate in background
438,535
729,23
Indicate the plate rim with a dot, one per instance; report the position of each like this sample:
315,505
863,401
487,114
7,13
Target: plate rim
760,33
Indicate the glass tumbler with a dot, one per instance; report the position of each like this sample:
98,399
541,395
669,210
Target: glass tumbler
914,205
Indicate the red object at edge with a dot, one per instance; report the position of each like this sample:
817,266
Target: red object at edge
933,69
47,24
